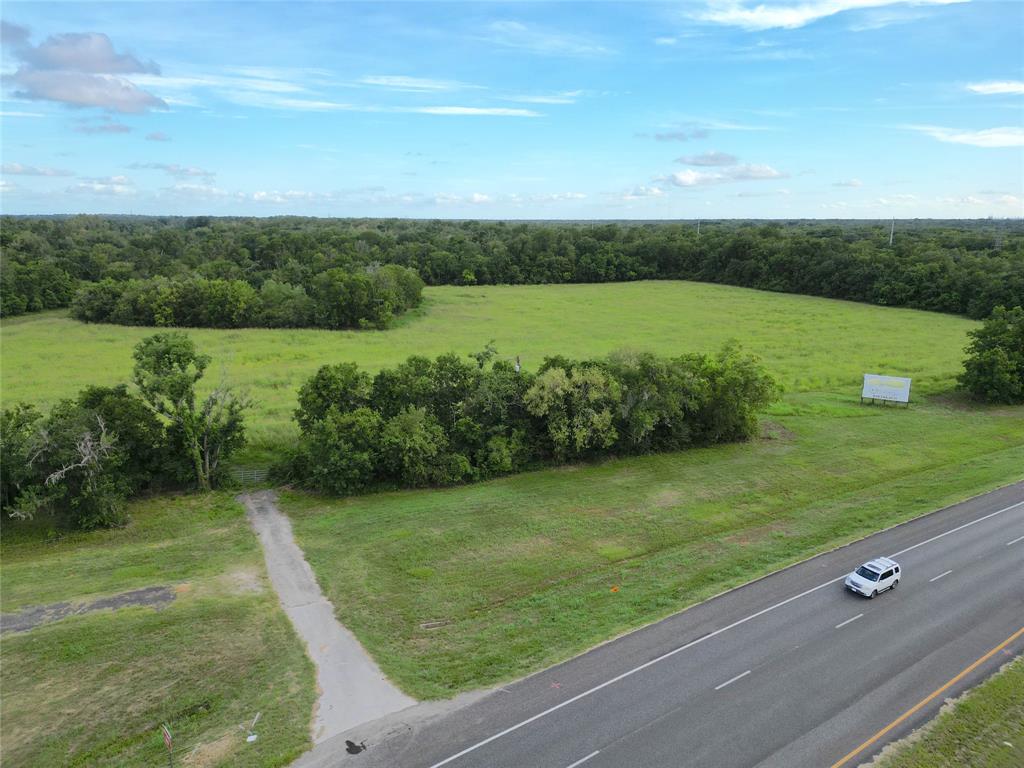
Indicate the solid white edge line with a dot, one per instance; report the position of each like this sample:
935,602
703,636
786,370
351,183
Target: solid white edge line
581,762
701,639
936,578
1015,541
732,680
842,624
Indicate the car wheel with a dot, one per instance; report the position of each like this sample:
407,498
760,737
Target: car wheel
873,594
894,584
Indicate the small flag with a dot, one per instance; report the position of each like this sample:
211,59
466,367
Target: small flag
168,740
615,588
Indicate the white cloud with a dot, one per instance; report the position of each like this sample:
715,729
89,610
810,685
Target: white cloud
848,183
1006,136
747,172
792,15
157,136
998,87
665,40
22,114
17,169
78,70
640,192
111,185
478,198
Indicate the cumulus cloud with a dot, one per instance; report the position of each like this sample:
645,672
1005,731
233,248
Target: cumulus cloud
78,70
747,172
640,192
1006,136
708,159
998,87
17,169
110,185
756,15
157,136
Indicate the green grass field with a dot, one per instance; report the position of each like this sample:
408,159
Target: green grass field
810,344
519,571
984,729
92,690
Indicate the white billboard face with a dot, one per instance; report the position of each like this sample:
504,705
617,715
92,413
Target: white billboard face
893,388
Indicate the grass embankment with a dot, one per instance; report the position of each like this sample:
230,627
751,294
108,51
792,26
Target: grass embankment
810,344
521,569
984,729
93,689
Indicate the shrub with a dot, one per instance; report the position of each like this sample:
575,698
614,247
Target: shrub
994,366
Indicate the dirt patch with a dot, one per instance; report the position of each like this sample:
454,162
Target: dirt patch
667,498
29,618
213,753
245,581
772,430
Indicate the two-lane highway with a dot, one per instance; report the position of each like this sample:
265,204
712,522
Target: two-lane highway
790,671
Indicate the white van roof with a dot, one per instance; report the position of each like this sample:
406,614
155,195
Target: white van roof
881,563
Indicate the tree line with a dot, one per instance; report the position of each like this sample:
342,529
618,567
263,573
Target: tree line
448,420
961,267
81,461
335,298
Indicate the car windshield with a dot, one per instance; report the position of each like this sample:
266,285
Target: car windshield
867,573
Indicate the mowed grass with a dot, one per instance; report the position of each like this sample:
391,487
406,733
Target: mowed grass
984,729
93,689
810,344
520,571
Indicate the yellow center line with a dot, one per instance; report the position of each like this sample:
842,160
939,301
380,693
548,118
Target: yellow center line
916,707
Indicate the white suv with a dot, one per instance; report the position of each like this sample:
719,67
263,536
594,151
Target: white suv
874,576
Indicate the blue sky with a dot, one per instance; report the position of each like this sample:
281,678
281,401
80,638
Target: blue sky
716,108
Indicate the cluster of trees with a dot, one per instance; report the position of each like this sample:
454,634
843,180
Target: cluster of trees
335,298
962,267
84,458
994,366
444,421
33,286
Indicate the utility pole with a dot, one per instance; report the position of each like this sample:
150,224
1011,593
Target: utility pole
892,231
698,227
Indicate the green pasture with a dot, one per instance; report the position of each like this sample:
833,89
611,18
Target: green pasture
810,344
93,689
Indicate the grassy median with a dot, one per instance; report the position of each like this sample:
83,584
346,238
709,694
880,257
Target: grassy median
983,729
93,689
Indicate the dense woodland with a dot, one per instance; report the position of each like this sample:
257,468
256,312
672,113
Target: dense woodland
328,272
449,420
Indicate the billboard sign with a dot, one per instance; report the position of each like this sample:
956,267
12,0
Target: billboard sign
895,389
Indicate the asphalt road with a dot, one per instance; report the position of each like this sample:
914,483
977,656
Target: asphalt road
788,671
